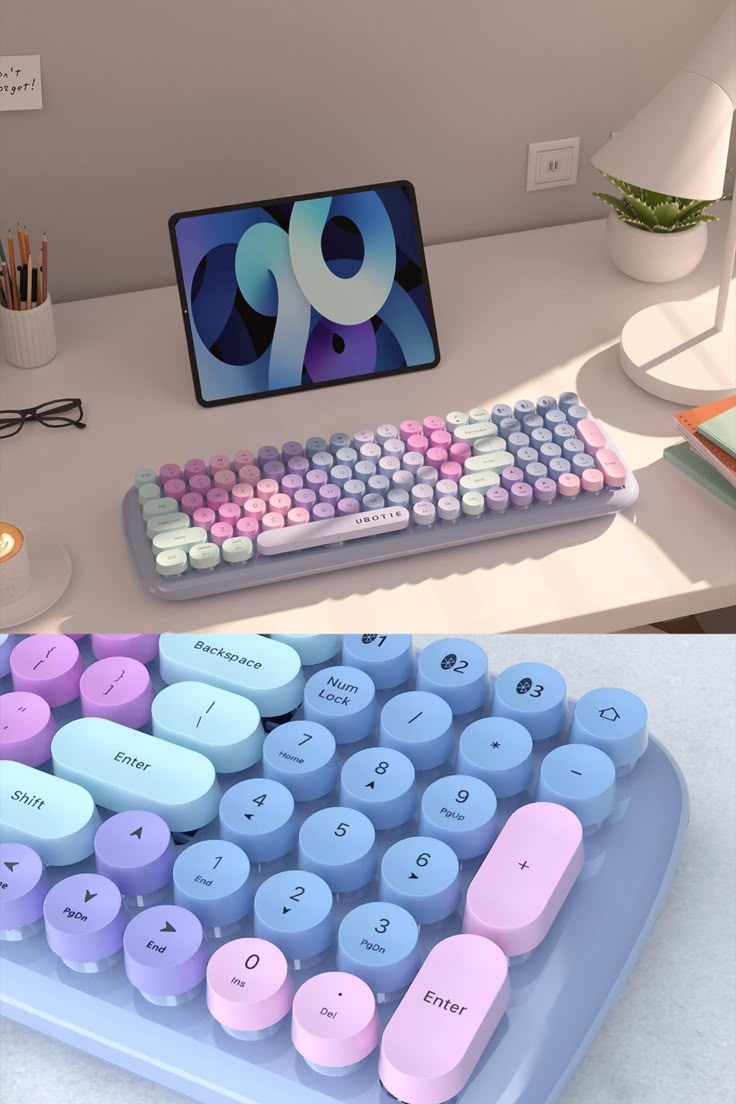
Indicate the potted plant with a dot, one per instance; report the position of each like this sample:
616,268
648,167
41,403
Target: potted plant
652,236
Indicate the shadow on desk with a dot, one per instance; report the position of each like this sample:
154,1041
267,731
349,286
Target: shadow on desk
605,389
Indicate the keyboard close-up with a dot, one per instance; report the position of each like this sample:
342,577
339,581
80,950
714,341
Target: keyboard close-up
324,868
198,527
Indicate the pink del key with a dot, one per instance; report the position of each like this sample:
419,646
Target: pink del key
592,481
444,1021
27,728
591,435
525,877
614,473
140,646
248,988
49,665
334,1023
117,689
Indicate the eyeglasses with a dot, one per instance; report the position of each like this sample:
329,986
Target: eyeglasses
56,413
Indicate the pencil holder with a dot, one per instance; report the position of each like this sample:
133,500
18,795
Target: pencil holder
28,336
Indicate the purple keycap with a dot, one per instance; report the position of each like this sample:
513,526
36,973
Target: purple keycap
140,646
511,475
329,492
298,465
348,506
117,689
27,728
521,494
190,502
200,484
169,471
267,453
274,469
135,850
545,490
85,920
290,484
195,467
323,511
23,887
315,479
497,499
305,499
164,952
49,665
290,449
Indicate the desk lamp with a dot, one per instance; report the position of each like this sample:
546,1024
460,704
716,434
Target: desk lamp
678,144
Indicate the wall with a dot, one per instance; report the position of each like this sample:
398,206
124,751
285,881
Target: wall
153,106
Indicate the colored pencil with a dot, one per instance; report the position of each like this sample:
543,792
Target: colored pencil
11,265
29,284
39,262
21,242
45,264
8,289
27,238
2,253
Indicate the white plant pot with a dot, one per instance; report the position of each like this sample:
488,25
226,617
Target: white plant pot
655,258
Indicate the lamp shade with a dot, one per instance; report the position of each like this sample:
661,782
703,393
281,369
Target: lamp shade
678,142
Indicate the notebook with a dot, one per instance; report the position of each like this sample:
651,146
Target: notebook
721,430
689,424
683,457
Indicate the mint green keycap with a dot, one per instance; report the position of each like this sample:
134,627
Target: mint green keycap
145,475
126,769
479,481
237,549
171,562
203,557
488,444
225,727
492,461
159,507
474,431
455,418
169,523
478,414
149,492
182,538
54,817
266,671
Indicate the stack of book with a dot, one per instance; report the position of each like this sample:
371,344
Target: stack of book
709,451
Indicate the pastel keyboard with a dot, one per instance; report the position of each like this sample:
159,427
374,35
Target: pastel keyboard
318,869
277,512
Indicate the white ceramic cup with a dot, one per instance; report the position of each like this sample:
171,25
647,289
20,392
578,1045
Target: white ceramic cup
28,336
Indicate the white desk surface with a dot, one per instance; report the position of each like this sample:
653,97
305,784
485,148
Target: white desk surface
519,314
669,1037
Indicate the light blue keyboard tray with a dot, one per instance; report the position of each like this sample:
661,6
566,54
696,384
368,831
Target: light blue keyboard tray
559,996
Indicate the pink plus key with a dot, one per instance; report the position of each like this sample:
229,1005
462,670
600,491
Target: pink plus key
140,646
334,1024
591,435
117,689
49,665
27,728
249,990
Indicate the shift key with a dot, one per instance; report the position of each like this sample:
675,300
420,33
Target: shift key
54,817
126,769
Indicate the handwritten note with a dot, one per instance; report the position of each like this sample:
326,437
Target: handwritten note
20,83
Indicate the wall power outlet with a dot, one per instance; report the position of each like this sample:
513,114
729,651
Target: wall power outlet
552,164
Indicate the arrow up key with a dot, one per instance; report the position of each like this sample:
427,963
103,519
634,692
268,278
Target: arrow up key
135,850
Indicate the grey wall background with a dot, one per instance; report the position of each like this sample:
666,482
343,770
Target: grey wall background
153,106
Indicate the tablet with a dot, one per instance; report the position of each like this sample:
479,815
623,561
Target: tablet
303,292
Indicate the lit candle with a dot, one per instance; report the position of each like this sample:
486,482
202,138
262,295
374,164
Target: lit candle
15,569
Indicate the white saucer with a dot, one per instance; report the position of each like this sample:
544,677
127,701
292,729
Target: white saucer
51,572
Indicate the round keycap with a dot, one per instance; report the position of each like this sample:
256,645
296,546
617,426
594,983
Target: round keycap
380,783
456,670
165,955
293,910
378,943
581,778
334,1023
258,815
312,648
212,880
498,751
460,810
27,728
448,508
49,665
419,724
423,876
7,643
85,921
615,721
303,756
135,850
388,659
149,492
117,689
140,646
249,990
339,844
343,699
533,694
23,888
238,549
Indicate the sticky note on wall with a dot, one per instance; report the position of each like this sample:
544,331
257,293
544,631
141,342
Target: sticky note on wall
20,83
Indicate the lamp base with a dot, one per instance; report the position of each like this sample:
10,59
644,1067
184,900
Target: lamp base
672,351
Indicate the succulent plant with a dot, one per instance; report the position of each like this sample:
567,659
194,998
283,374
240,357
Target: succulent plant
655,212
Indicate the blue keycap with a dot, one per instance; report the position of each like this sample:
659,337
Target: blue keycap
378,942
517,441
267,672
58,819
315,445
568,399
572,446
576,414
342,699
354,488
526,456
340,474
461,811
499,751
558,467
534,471
545,403
539,437
339,441
339,844
507,426
379,782
293,910
302,755
312,648
615,721
388,659
397,497
532,422
347,456
258,815
563,433
225,727
364,469
581,461
550,450
418,724
423,876
522,408
456,670
212,879
500,412
582,778
554,418
533,694
373,501
7,643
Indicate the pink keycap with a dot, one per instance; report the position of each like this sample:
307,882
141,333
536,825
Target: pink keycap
270,521
568,485
255,508
27,728
241,493
117,689
169,471
248,527
417,443
460,452
140,646
445,1020
334,1021
225,479
195,467
266,489
174,488
47,664
614,473
451,470
218,462
592,480
408,428
204,518
591,435
217,497
248,985
525,877
440,439
279,504
229,513
431,424
297,516
220,532
191,502
200,484
436,457
249,473
242,458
